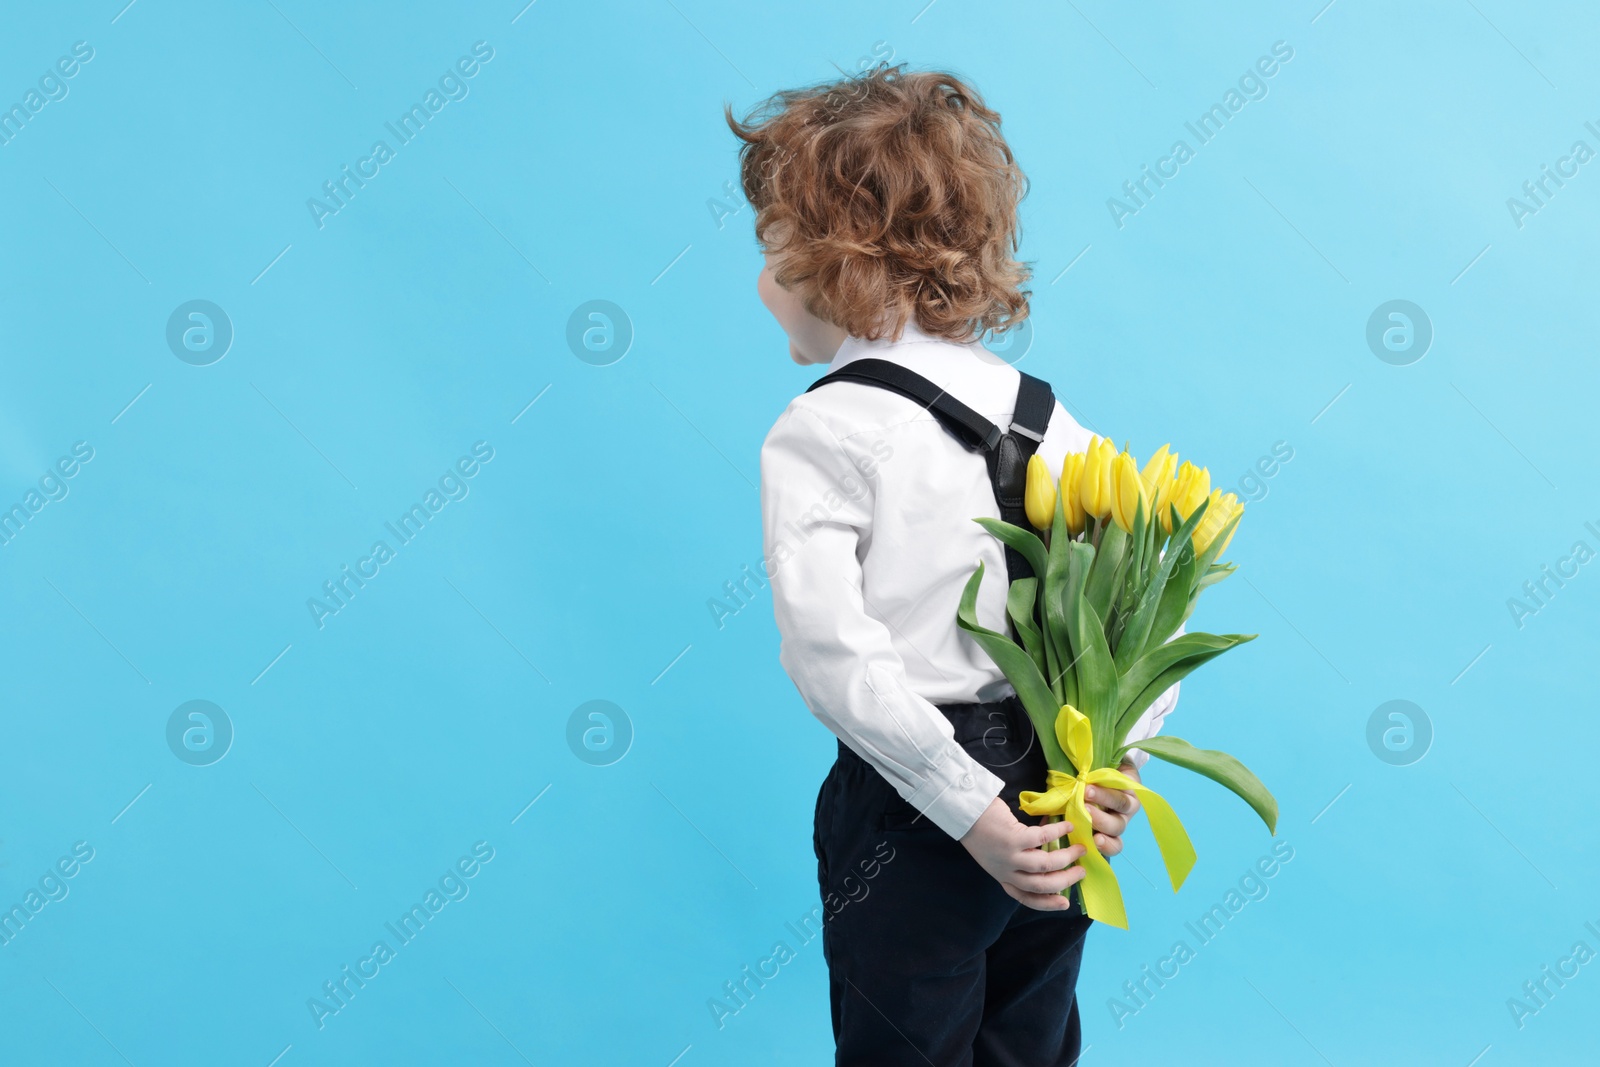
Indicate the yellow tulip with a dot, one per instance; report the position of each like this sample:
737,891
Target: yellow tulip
1127,491
1191,486
1221,510
1095,488
1071,488
1157,477
1039,497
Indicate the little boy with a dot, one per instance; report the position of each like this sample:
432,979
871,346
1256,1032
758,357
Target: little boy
886,205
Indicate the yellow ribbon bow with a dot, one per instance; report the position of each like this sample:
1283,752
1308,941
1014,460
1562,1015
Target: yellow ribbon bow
1063,795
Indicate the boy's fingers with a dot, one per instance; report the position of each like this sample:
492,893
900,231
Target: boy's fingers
1042,901
1051,831
1107,822
1118,800
1108,846
1054,882
1037,901
1038,861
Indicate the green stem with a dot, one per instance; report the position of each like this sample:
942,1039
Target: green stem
1052,846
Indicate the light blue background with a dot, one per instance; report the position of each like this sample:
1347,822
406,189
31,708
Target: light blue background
1226,316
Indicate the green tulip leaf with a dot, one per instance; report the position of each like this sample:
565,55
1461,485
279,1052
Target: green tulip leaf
1217,766
1146,615
1137,542
1174,606
1024,541
1172,662
1019,605
1214,549
1097,675
1057,574
1109,557
1204,564
1198,647
1080,556
1214,574
1019,669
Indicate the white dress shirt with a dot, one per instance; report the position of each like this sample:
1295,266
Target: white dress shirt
867,505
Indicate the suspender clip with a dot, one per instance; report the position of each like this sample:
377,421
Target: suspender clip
1023,431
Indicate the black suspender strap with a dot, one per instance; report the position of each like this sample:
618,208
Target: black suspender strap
1035,403
1008,461
971,429
1005,453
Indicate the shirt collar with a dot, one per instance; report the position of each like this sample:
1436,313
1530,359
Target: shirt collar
916,349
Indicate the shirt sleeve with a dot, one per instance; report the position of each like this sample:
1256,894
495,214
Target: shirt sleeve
816,509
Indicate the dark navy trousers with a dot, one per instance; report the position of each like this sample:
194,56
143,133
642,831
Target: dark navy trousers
936,964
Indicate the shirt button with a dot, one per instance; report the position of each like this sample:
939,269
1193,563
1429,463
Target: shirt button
966,781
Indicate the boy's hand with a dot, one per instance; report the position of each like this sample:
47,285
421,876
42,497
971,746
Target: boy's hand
1009,850
1110,810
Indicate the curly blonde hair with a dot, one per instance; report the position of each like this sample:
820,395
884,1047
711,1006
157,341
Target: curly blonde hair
887,197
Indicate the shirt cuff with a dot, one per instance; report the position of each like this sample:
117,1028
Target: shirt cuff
956,792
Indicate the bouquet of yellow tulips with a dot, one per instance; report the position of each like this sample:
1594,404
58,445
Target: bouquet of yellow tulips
1119,559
